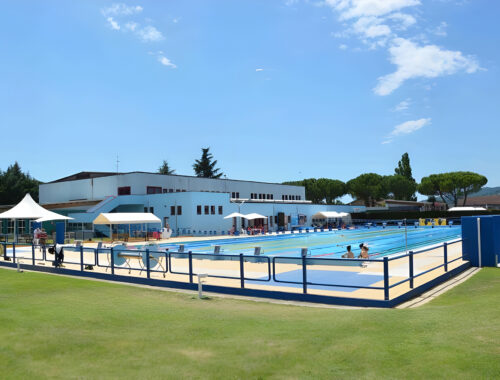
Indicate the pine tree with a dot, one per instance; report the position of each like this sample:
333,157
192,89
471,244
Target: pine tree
165,168
14,184
404,167
205,166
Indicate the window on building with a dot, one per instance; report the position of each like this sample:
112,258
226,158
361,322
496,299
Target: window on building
152,210
198,210
233,195
177,190
220,210
237,195
170,190
270,221
21,225
282,197
289,219
212,210
183,190
125,190
293,197
298,197
165,191
260,196
145,209
153,190
179,210
10,227
206,210
272,196
276,219
172,210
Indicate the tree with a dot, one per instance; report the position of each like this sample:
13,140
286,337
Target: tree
451,186
404,167
205,166
322,189
14,185
369,187
165,168
400,187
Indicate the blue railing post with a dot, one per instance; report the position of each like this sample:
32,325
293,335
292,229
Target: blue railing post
242,271
81,258
411,269
445,249
148,264
386,278
304,275
14,252
33,254
190,261
5,257
112,261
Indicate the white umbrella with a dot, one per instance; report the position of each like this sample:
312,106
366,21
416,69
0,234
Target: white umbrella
234,215
253,216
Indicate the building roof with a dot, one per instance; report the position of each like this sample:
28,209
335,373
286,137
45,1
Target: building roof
88,175
484,200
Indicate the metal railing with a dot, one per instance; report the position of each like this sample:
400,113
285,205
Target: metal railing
151,261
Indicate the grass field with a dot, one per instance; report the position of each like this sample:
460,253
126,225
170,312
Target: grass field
60,327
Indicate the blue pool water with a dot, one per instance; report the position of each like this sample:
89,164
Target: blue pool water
329,244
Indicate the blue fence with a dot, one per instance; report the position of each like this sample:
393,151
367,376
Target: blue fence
151,261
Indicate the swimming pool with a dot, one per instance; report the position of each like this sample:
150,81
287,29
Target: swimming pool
328,244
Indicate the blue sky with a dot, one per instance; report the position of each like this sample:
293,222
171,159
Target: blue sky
279,89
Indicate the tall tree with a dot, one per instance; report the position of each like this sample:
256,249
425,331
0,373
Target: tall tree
369,187
451,186
322,189
165,168
205,166
404,167
14,185
400,187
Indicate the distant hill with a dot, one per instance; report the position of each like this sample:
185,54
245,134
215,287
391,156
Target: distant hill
486,191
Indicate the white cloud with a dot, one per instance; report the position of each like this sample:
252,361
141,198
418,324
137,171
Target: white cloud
409,127
428,61
132,26
403,105
342,46
259,69
361,8
440,30
166,62
150,34
388,141
371,27
113,24
120,9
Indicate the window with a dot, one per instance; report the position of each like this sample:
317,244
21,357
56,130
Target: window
220,210
179,210
152,210
212,210
198,210
233,195
165,191
183,190
298,197
125,190
21,226
289,219
206,210
292,197
271,221
10,227
282,197
145,209
260,196
172,210
170,190
272,196
153,190
177,190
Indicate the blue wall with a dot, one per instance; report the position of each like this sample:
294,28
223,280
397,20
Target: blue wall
490,240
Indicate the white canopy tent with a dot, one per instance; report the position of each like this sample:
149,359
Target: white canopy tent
234,215
29,209
253,216
329,215
467,208
125,218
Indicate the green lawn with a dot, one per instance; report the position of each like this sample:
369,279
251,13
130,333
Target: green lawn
59,327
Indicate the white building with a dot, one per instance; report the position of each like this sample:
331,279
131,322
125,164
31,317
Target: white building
190,205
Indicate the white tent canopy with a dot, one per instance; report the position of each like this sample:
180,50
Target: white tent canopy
29,209
253,216
126,218
329,215
467,209
234,215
